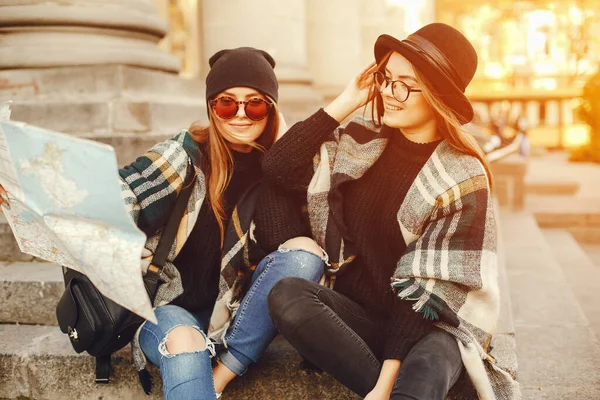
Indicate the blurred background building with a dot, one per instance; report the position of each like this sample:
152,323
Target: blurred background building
535,55
138,66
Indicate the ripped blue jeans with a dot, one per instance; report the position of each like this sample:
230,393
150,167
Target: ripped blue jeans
189,375
185,376
252,329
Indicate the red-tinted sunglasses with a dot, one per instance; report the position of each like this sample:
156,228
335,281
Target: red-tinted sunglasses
226,107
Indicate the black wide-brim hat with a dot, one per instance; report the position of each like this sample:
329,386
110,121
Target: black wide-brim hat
444,56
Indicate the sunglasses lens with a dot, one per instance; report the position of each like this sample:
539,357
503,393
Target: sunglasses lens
257,109
225,107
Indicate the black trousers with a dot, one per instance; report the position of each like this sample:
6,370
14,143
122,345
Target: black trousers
338,335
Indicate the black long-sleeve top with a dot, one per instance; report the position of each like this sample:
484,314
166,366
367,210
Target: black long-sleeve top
277,217
370,207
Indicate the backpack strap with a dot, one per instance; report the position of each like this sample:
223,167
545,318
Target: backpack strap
162,252
102,369
168,235
145,381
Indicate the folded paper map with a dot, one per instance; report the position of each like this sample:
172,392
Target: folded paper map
65,207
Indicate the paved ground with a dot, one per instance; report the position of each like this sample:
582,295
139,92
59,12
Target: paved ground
593,252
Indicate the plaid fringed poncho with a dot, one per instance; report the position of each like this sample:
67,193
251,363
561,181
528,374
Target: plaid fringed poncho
149,188
449,269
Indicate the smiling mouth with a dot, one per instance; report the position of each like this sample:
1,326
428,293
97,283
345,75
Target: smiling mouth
390,107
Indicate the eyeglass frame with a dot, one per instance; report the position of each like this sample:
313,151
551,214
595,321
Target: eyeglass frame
213,103
389,81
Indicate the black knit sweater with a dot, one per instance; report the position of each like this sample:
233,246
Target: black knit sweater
370,207
277,217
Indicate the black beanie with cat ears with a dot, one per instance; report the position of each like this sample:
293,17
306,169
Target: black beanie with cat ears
244,66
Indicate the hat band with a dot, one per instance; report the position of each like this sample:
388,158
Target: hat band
435,57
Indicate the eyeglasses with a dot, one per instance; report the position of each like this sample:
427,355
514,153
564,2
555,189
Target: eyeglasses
400,90
255,109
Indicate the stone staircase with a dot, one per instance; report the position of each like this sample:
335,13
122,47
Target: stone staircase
37,361
578,215
553,265
555,298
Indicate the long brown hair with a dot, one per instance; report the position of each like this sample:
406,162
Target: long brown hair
447,121
217,163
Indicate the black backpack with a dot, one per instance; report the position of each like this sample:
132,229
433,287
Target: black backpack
98,325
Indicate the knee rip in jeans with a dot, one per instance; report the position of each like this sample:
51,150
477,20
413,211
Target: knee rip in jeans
306,244
183,332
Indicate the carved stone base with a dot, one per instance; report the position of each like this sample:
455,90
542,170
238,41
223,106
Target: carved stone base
128,107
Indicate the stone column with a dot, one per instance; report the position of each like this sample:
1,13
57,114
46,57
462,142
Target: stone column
278,27
42,33
427,12
334,43
93,68
184,38
373,23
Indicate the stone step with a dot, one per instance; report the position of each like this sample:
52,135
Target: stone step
98,82
105,118
593,252
9,250
586,235
580,273
37,362
556,349
506,325
564,212
29,292
509,188
564,187
129,146
579,215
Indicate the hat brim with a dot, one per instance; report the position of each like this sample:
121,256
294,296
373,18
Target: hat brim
446,89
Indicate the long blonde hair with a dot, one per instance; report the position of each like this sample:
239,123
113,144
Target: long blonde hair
447,121
217,163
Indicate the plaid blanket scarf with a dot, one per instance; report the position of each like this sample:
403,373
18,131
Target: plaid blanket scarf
449,268
149,188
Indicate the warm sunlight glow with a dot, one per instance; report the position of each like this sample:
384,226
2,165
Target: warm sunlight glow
577,135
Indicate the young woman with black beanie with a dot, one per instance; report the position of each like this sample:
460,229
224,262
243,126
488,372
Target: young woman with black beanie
228,244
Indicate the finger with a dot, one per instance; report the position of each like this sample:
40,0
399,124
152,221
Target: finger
369,79
146,253
370,68
4,200
144,266
365,81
